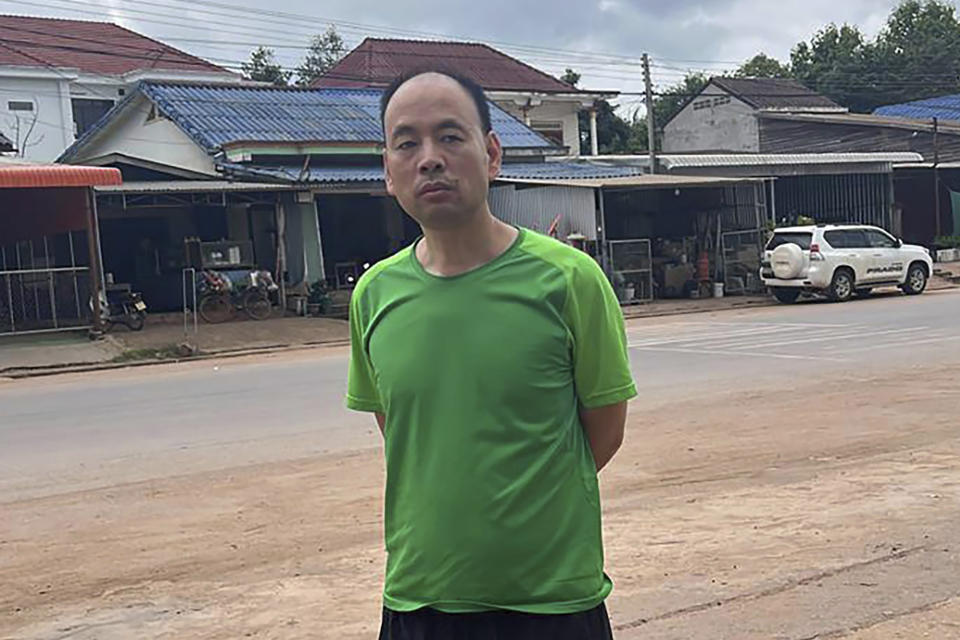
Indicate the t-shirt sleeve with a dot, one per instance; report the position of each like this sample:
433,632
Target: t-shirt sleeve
362,394
601,364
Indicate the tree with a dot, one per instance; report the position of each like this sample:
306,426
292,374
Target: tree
916,55
919,49
23,128
326,50
263,67
571,77
762,66
839,63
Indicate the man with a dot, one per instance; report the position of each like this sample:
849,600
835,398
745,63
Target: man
495,361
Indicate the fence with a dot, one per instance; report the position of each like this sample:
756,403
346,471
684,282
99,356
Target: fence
741,261
632,269
42,286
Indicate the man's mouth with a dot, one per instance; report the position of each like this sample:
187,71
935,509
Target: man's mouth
433,187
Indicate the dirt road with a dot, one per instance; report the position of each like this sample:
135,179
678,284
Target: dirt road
737,515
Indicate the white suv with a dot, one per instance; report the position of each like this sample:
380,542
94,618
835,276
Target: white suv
841,261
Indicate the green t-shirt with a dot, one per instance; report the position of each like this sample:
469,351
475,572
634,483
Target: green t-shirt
491,494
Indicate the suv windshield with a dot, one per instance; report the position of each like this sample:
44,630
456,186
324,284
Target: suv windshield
802,239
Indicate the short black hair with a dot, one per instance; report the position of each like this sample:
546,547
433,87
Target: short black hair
474,90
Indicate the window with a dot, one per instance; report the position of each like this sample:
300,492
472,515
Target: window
19,105
836,239
856,239
701,104
880,240
801,239
87,112
552,131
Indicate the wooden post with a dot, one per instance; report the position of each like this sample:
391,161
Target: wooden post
93,252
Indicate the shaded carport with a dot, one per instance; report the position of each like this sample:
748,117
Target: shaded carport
652,228
50,267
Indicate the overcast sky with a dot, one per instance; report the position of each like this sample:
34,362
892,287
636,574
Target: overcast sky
678,34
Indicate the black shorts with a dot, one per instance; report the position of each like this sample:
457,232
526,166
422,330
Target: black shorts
430,624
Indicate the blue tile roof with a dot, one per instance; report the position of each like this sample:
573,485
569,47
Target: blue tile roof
942,107
514,171
217,115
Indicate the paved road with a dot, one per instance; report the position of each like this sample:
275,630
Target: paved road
78,431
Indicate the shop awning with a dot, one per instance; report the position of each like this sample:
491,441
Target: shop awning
19,176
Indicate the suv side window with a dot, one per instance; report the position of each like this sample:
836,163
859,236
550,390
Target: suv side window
879,240
856,239
836,239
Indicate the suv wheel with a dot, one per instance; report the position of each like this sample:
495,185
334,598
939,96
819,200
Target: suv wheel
916,280
786,296
841,287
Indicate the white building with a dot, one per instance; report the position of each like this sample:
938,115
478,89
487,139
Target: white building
726,115
58,77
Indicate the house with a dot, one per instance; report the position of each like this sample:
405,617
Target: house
730,114
547,105
58,77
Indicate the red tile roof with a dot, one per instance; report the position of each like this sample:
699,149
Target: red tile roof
92,47
376,62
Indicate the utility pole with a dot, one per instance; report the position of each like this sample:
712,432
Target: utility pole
651,128
936,178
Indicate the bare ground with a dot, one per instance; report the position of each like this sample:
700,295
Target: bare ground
829,512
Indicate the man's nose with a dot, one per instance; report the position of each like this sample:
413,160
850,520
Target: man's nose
431,161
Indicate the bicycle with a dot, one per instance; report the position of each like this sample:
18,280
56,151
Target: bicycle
221,299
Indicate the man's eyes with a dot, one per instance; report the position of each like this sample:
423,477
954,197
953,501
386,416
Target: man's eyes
446,138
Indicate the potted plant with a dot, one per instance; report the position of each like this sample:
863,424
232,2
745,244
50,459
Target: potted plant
318,299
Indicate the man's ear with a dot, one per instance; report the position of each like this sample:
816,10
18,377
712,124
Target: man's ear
494,155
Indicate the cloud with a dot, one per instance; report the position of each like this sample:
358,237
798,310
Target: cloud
680,35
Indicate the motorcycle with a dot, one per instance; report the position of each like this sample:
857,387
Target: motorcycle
122,307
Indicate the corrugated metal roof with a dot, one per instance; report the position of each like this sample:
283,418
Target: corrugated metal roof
510,171
776,93
941,107
192,186
865,120
216,115
93,47
376,62
56,175
645,181
677,161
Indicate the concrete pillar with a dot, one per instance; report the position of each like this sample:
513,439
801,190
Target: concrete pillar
594,144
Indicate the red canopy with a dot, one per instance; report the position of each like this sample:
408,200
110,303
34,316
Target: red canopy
56,175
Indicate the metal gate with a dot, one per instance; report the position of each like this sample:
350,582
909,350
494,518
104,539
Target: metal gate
741,261
43,287
631,270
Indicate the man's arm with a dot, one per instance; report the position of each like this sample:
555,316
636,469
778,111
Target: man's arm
381,420
604,427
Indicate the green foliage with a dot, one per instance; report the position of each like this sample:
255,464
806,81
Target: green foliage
263,67
571,77
762,66
947,242
326,50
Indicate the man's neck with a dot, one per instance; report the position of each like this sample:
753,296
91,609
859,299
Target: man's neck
451,252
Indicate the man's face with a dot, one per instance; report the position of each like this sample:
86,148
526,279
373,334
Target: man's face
438,161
